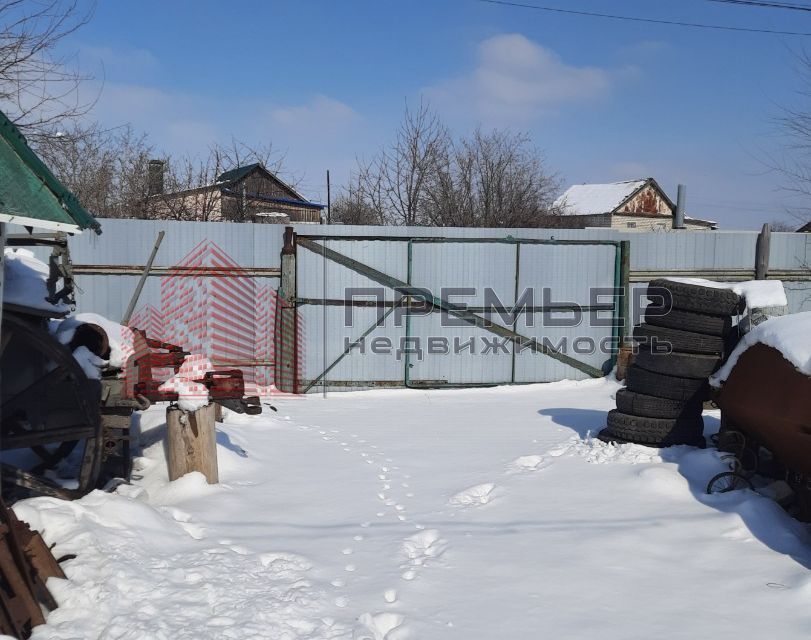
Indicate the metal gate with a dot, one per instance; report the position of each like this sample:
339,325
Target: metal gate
389,311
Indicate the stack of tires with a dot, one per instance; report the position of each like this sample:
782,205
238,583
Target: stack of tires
666,385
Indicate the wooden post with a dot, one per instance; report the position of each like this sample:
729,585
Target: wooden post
762,250
192,442
627,324
286,338
625,359
218,417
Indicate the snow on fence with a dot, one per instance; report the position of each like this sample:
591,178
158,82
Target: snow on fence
233,271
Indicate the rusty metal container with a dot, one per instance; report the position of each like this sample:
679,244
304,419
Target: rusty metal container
767,398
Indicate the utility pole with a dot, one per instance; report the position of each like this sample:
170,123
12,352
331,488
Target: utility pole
329,212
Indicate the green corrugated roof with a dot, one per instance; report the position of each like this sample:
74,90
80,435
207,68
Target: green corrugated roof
237,174
30,195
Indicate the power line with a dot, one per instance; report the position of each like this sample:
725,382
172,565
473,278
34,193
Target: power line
791,6
676,23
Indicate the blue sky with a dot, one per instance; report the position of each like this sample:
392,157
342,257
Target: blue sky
327,82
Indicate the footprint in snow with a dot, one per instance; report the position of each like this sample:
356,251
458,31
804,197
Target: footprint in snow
419,549
381,626
473,496
423,546
530,463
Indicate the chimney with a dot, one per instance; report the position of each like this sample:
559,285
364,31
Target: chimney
155,177
681,202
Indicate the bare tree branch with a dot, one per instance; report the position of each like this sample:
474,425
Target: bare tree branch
39,89
425,177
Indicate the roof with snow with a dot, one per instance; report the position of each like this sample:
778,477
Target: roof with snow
591,199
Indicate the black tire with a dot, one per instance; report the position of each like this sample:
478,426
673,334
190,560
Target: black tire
688,320
654,430
682,365
693,297
683,341
638,404
663,386
606,435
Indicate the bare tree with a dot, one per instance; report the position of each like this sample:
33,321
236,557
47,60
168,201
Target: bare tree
395,182
425,177
39,89
794,163
104,168
495,179
352,207
782,225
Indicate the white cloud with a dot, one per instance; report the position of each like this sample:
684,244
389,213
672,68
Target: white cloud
183,122
321,113
517,80
118,63
315,134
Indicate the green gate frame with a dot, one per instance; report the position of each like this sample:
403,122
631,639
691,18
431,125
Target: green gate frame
619,305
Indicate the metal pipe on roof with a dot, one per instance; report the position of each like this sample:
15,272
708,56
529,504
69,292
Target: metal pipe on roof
678,216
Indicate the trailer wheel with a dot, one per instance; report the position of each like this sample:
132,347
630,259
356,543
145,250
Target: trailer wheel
731,441
727,481
48,406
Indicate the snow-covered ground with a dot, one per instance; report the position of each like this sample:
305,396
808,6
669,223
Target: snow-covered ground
474,514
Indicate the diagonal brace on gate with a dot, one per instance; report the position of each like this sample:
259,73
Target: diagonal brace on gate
455,310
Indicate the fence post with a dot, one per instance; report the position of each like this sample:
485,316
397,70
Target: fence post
762,250
624,352
286,337
625,283
192,442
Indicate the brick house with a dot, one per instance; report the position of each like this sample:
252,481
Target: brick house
639,205
248,193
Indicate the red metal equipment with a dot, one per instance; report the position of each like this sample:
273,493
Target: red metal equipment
226,387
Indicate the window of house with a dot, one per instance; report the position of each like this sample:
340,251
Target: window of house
631,225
